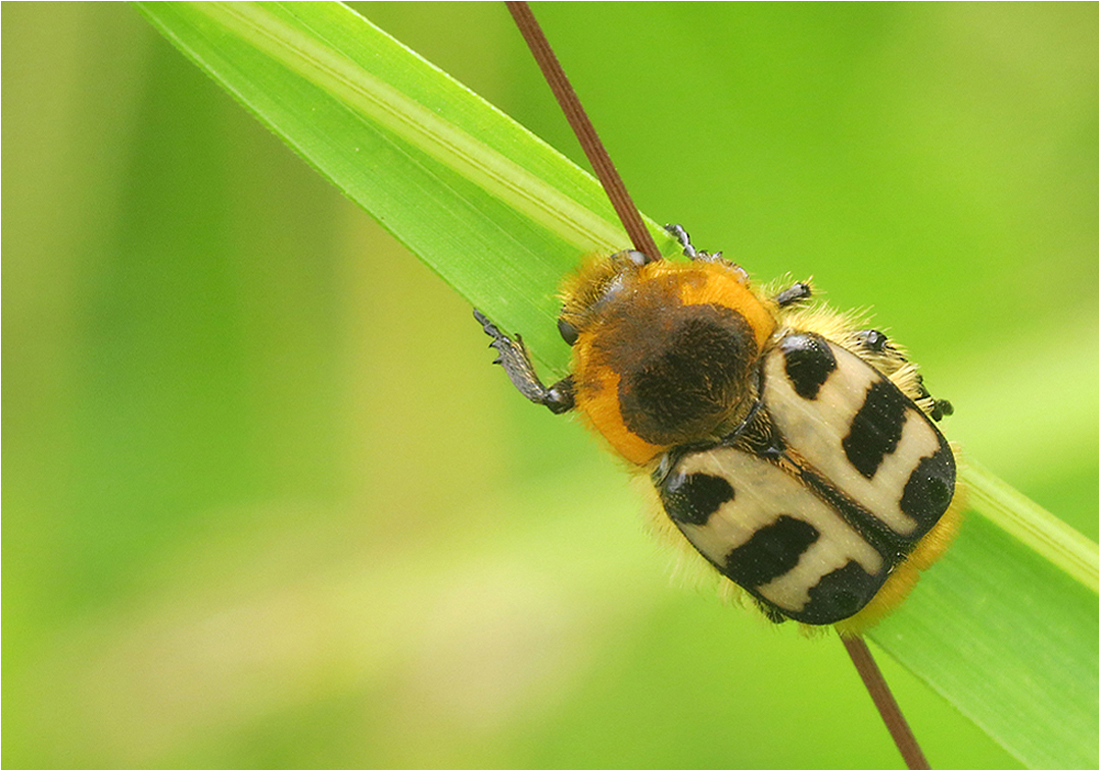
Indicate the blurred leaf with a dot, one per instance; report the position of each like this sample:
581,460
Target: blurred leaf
1004,626
494,210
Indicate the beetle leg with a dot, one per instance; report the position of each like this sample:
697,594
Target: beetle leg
792,295
681,235
513,356
700,255
690,251
875,347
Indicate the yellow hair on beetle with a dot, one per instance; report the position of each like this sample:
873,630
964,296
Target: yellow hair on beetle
790,447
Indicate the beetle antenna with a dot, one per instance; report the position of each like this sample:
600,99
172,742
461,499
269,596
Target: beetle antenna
612,183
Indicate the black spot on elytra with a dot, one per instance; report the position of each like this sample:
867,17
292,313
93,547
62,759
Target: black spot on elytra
771,551
930,487
809,362
692,498
840,594
876,428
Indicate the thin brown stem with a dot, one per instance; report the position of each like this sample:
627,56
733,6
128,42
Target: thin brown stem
612,183
643,242
885,701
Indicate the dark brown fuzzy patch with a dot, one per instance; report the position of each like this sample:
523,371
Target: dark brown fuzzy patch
682,369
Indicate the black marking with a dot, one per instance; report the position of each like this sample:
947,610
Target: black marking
771,551
840,594
930,489
693,498
891,545
809,363
876,428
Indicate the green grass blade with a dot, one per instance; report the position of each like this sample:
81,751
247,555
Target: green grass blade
494,210
1005,626
1049,536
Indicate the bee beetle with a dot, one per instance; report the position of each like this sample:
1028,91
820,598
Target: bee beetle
794,452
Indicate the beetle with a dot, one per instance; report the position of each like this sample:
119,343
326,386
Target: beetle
796,452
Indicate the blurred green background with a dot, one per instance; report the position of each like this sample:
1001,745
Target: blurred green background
266,502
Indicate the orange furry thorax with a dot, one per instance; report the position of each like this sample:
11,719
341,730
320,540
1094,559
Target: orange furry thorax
662,349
